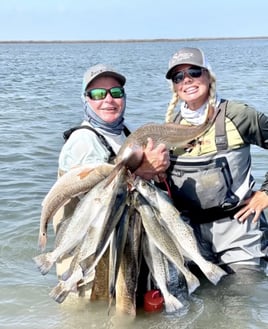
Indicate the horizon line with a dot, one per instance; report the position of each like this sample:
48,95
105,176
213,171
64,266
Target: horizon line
131,40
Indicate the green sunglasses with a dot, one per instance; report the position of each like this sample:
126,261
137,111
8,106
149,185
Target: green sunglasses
97,94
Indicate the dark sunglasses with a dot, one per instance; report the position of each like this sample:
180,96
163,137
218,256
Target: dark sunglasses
192,72
100,93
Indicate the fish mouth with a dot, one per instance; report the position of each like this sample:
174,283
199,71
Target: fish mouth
132,157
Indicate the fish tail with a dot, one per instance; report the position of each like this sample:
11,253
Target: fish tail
44,262
213,272
111,299
59,292
192,282
172,304
65,275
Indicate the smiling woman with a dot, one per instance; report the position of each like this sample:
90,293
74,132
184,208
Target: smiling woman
104,101
107,100
211,183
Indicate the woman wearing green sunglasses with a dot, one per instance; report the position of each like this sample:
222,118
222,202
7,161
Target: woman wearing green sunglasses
104,101
102,133
211,182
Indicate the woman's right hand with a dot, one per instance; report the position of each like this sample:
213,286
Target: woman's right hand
155,161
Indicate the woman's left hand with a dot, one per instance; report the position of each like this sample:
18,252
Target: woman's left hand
254,205
155,161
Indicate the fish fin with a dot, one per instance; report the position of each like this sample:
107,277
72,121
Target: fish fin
65,275
111,299
43,262
214,273
172,304
192,282
59,292
84,173
87,263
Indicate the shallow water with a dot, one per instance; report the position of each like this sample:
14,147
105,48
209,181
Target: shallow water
40,98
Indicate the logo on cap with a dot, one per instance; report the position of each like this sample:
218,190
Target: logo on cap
182,57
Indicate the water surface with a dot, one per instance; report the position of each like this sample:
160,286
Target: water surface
40,98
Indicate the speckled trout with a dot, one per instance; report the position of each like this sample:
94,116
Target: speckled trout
179,231
158,265
158,235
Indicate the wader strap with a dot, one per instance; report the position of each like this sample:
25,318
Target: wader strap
126,131
220,129
68,133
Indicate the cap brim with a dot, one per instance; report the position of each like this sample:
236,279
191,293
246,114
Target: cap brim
169,72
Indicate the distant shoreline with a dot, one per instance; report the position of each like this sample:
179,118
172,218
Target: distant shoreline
128,40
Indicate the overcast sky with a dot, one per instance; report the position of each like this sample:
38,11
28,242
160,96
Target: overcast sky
131,19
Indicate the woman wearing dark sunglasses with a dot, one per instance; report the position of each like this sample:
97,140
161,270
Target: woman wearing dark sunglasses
211,182
98,140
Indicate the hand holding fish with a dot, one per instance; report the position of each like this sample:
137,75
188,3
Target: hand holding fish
155,160
254,206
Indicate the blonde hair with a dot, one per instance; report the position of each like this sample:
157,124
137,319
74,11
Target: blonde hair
170,114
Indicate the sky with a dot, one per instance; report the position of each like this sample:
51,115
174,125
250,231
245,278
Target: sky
50,20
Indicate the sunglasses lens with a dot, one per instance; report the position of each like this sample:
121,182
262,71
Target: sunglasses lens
97,93
178,77
192,72
117,92
100,93
195,72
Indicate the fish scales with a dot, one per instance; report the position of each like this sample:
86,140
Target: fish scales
181,233
127,281
97,202
75,182
161,238
117,246
105,228
157,264
171,134
74,274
